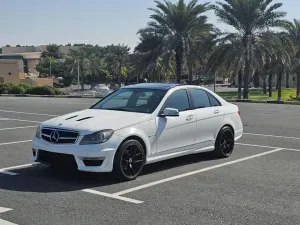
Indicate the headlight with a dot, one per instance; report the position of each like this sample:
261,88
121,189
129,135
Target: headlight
97,137
38,132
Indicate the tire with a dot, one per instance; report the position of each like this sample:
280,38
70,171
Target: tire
129,160
224,144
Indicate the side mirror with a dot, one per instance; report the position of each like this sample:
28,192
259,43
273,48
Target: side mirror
171,112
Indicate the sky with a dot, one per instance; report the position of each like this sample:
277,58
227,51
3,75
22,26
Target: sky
102,22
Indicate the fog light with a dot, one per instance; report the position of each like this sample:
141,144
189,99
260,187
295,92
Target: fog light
34,152
93,161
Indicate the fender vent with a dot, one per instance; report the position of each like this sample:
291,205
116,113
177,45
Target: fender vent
71,117
85,118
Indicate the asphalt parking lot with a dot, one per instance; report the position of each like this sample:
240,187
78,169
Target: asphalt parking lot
258,184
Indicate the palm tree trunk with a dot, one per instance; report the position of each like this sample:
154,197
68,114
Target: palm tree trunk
240,80
179,59
298,84
287,80
279,85
265,85
246,79
190,73
270,85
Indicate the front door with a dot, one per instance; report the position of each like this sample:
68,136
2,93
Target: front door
176,133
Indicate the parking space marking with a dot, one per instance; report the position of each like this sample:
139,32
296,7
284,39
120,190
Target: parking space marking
195,172
7,170
28,113
260,146
30,121
112,196
292,150
4,222
275,136
15,142
14,128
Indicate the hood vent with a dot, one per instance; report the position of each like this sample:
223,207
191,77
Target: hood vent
71,117
85,118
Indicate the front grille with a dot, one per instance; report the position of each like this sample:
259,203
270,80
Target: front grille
59,136
57,159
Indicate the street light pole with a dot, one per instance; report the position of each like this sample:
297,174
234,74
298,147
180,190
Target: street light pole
50,68
78,77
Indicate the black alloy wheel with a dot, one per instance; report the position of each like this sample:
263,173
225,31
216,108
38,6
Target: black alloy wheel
129,160
225,143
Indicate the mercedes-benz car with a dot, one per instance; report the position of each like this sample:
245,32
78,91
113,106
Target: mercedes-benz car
137,125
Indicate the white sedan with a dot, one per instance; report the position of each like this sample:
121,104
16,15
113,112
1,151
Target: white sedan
137,125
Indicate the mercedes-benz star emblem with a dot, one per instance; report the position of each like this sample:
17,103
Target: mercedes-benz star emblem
54,136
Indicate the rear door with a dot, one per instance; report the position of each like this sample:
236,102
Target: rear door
209,117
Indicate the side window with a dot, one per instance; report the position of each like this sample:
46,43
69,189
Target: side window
178,100
213,101
200,98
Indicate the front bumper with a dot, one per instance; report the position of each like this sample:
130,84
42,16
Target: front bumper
81,153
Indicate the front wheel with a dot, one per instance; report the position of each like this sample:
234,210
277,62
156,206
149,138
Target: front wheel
225,143
129,160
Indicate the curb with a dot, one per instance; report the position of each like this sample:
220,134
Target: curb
47,96
264,101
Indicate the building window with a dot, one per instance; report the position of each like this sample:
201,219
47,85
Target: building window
294,78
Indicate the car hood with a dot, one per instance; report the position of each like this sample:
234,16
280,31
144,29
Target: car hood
92,120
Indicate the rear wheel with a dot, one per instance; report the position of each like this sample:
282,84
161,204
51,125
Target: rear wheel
129,160
225,143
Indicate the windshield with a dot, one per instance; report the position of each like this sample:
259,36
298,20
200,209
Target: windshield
132,100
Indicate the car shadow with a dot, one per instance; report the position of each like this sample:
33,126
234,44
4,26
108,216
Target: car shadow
43,179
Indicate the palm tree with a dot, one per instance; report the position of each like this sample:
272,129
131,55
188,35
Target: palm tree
52,51
117,56
172,25
293,30
79,59
249,18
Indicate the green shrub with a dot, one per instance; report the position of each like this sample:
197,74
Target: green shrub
44,90
57,91
6,88
294,97
17,89
26,87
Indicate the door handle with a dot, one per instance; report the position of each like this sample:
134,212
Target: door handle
190,117
216,111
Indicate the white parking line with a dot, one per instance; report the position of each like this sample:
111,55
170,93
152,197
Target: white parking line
251,145
7,169
28,113
112,196
275,136
194,172
14,128
15,142
30,121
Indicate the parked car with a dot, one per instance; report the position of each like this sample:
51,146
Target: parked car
137,125
101,90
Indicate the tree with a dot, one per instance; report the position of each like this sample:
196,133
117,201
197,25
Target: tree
249,18
116,58
293,31
50,67
52,50
171,27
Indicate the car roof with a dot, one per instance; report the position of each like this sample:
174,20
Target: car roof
156,86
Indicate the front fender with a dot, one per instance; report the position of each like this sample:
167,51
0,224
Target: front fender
148,139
